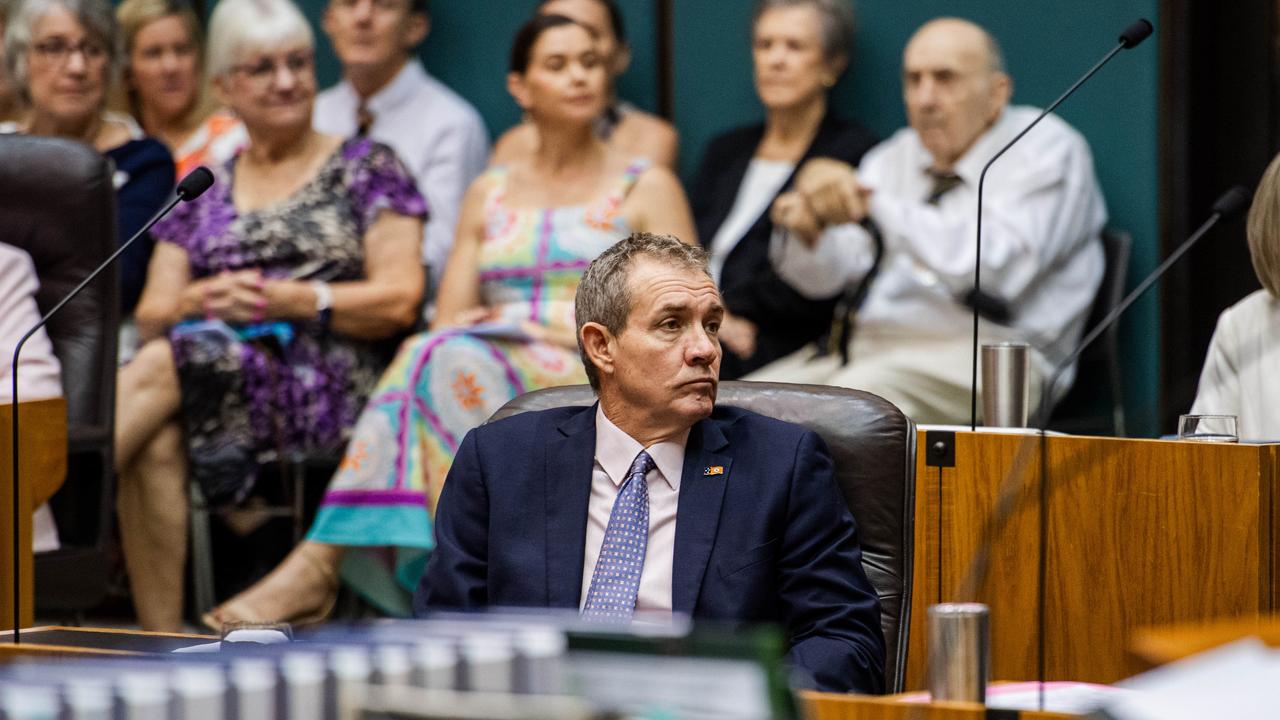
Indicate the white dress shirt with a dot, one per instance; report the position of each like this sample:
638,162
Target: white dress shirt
436,133
615,451
1042,215
1240,371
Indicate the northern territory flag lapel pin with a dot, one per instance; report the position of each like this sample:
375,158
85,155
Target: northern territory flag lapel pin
713,470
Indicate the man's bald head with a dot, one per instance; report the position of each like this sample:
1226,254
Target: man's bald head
954,86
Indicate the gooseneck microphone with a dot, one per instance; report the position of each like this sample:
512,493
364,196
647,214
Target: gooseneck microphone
1131,37
1227,204
190,188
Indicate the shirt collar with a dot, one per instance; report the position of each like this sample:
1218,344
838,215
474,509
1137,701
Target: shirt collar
616,450
969,166
400,90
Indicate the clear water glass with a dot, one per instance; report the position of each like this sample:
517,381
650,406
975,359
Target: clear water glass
1208,428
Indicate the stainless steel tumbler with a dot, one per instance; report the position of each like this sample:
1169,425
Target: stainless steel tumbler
1006,377
959,651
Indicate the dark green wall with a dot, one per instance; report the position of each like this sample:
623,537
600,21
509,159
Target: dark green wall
1047,45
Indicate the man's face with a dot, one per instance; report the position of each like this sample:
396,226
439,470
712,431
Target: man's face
667,357
951,92
373,33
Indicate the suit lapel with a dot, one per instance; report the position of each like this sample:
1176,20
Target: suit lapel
569,462
698,513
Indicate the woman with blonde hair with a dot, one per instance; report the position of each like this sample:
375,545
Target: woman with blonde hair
164,86
1239,376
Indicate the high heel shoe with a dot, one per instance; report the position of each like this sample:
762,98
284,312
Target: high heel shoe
303,559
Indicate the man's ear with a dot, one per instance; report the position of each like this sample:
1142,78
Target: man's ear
598,344
1001,91
418,26
518,90
327,22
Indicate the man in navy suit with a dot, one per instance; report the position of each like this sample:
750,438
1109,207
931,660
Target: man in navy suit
654,500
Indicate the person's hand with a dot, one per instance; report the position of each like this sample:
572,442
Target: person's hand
790,211
832,189
470,316
739,335
236,297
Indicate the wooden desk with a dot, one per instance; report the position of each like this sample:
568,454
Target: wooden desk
44,467
825,706
1141,533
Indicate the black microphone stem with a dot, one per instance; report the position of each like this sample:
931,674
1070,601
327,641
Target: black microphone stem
982,179
17,512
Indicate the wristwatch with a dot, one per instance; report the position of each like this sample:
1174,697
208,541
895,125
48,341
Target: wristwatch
324,302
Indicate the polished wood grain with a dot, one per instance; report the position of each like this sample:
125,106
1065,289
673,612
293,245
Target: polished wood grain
43,426
1141,533
826,706
1160,645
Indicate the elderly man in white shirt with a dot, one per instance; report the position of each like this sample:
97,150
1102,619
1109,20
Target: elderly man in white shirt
911,339
387,94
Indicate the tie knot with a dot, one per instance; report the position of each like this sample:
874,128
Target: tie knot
364,120
641,465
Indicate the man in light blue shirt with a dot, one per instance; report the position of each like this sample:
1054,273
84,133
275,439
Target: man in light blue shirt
387,94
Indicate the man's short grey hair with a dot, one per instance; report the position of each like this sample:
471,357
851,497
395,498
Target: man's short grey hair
97,17
836,22
604,295
240,28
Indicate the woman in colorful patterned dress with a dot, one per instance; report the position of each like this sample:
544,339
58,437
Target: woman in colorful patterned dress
268,304
504,326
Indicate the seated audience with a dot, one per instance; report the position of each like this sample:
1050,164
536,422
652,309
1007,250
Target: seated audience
503,327
799,49
387,94
39,375
624,126
527,519
1239,370
266,304
61,57
164,84
1041,255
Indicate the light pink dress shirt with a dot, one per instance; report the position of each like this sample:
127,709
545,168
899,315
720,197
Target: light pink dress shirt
40,376
615,451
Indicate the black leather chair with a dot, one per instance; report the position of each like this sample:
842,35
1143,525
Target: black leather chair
1095,403
57,203
874,448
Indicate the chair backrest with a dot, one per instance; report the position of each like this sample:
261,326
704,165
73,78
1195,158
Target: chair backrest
1083,410
873,446
58,203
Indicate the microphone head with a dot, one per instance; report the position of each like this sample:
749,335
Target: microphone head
1136,33
195,183
1231,201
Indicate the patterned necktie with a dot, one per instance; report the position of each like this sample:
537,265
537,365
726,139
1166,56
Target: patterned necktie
364,120
615,582
943,183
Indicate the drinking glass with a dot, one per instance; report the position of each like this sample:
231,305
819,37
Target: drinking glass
1208,428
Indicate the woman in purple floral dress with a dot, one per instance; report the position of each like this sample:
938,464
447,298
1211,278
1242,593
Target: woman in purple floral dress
268,305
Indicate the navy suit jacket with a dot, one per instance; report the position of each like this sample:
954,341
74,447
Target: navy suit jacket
769,540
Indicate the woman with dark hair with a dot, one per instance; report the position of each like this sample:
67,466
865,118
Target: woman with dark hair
627,128
799,49
503,326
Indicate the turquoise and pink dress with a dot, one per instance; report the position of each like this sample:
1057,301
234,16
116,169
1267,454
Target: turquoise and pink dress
442,384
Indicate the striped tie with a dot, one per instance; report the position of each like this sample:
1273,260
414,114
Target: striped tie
615,583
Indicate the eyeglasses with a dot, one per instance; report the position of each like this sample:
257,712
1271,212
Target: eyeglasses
266,69
386,5
59,51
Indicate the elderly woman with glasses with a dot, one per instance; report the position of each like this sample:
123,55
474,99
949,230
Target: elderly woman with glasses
62,57
267,304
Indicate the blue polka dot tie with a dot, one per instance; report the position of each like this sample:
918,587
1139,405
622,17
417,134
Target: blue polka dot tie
616,579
